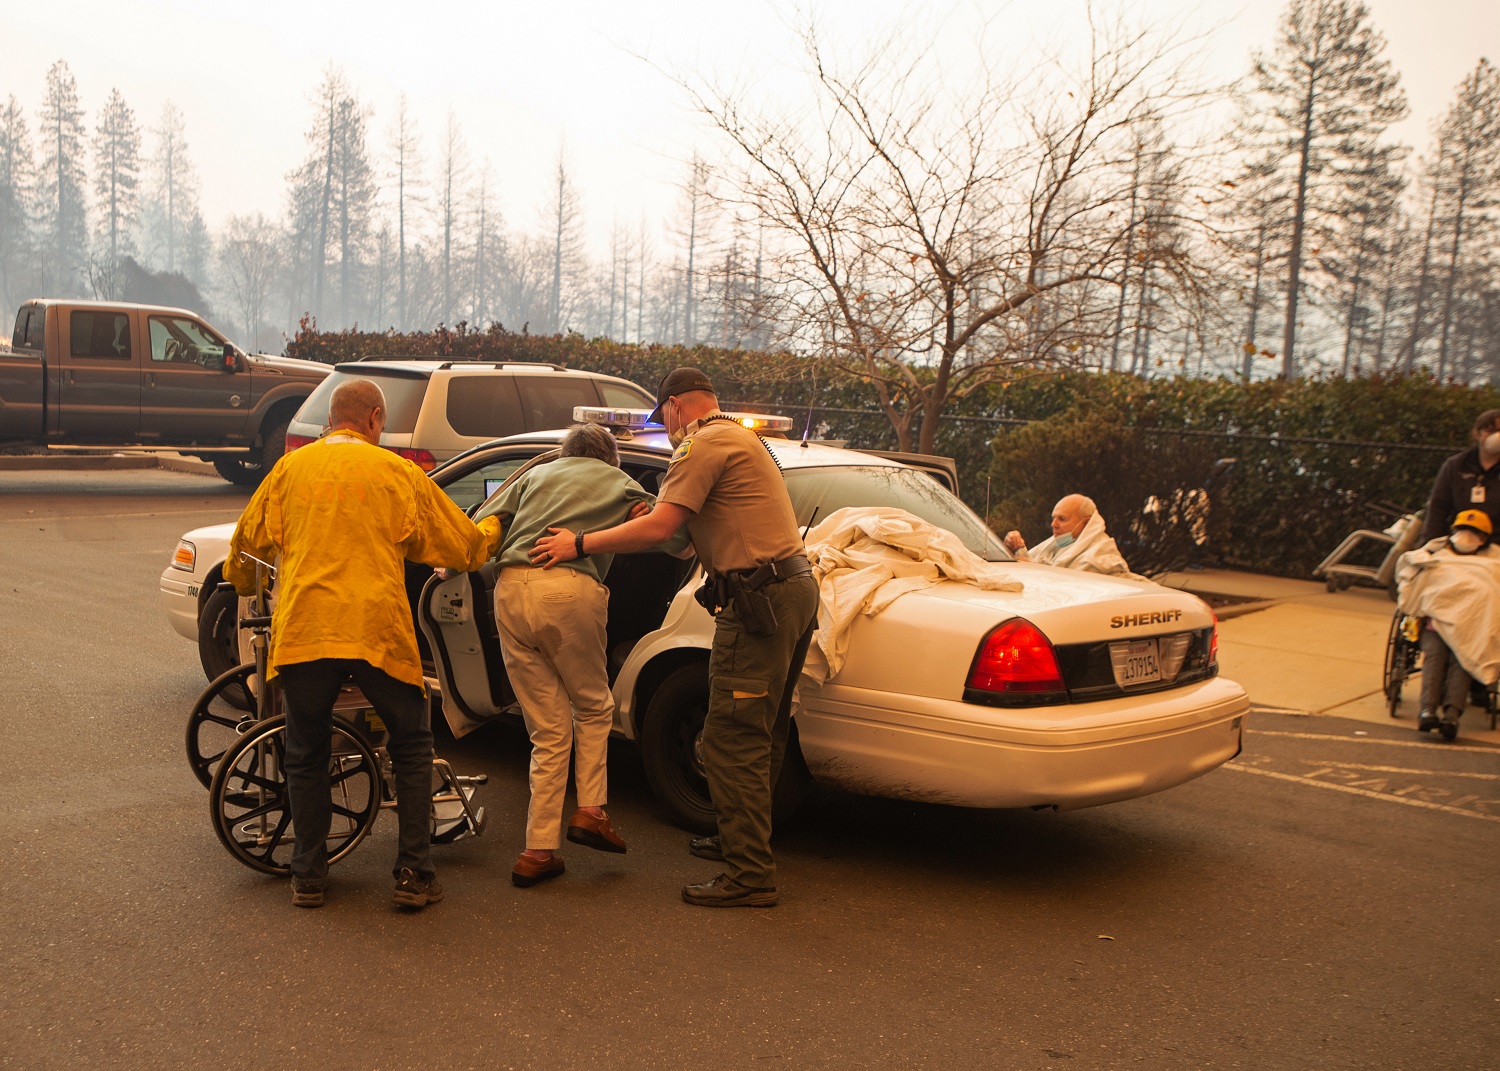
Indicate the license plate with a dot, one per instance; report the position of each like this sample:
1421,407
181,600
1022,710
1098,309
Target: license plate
1135,662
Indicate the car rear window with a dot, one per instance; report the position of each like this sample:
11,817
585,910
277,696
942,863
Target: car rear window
485,405
403,400
548,401
624,395
833,488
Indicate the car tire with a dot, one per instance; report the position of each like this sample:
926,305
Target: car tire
674,722
237,470
219,643
240,470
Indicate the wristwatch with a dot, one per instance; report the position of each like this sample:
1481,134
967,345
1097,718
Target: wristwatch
578,546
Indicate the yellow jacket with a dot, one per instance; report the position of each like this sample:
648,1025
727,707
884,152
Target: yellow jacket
342,514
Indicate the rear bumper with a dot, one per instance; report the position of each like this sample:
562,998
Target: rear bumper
940,751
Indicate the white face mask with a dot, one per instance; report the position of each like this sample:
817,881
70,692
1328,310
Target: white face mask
1064,540
1489,446
1465,541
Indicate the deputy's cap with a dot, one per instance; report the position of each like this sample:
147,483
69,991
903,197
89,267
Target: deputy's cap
678,381
1476,519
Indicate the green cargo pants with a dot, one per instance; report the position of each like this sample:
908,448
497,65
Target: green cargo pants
749,715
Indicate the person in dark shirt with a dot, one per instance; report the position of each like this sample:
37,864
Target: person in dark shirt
1468,480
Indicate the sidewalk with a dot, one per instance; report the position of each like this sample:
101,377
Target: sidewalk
123,459
1297,648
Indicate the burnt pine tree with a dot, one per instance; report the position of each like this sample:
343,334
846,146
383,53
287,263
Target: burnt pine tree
117,153
1367,214
170,213
62,177
406,179
17,205
452,192
1325,92
565,222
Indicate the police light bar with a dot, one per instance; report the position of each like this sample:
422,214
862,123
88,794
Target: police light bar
611,417
764,423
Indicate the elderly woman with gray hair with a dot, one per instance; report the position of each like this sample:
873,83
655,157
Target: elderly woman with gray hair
552,634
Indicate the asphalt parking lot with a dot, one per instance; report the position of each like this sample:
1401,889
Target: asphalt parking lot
1326,900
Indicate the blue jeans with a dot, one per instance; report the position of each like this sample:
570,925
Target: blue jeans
309,690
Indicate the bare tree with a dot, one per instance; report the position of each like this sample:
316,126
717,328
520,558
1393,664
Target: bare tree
1327,94
249,259
908,229
565,228
452,192
407,189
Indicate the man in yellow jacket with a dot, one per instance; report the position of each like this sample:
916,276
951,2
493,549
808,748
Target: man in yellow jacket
342,515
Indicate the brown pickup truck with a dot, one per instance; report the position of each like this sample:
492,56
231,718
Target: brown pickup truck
100,374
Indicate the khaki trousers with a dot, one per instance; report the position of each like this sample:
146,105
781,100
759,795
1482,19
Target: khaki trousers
551,624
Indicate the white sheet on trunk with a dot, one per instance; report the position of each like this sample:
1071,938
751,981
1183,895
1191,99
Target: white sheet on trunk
865,558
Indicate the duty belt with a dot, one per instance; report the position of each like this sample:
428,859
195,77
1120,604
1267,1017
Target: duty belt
759,576
744,589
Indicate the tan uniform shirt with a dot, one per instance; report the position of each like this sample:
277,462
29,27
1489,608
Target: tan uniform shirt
742,514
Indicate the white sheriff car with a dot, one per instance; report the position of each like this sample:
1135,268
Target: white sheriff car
1076,690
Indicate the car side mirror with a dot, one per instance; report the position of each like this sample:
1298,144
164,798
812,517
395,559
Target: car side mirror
229,360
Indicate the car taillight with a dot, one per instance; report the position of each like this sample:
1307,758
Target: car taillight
1213,645
294,441
425,461
1016,658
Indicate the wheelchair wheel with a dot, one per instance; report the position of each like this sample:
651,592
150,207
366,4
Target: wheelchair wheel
217,720
1401,656
251,809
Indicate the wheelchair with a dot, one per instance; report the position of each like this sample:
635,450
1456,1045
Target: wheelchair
1403,658
240,758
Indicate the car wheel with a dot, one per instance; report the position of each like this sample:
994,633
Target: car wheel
240,470
219,643
273,445
674,767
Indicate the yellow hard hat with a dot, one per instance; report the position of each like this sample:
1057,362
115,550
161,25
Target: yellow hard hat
1476,519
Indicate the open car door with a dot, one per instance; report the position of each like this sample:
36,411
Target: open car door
457,617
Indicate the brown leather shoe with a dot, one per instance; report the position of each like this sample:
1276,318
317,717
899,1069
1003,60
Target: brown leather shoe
529,870
585,829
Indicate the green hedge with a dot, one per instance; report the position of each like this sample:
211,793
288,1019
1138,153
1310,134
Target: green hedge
1314,459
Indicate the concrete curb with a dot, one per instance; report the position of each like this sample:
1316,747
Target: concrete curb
171,462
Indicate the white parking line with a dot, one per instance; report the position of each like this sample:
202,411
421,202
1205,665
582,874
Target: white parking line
1360,791
1403,770
1430,745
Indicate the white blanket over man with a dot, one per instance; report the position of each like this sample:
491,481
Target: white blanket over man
1460,595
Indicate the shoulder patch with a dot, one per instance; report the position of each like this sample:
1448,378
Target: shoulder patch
683,449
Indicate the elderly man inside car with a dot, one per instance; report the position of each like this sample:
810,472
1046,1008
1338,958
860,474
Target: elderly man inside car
1078,540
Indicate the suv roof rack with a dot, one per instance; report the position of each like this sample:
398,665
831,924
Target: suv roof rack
451,362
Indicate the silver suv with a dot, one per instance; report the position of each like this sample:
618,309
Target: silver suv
436,409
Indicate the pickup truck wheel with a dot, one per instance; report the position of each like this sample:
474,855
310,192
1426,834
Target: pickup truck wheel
670,754
219,644
238,471
274,444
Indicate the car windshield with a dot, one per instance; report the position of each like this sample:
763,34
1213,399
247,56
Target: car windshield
832,488
403,400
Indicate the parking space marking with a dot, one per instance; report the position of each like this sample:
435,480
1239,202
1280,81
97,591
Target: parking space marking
1404,770
1430,745
1355,790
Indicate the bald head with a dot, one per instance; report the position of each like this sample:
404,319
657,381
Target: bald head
1071,513
357,404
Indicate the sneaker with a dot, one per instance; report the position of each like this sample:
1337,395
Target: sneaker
724,891
1449,725
1427,721
307,894
416,892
